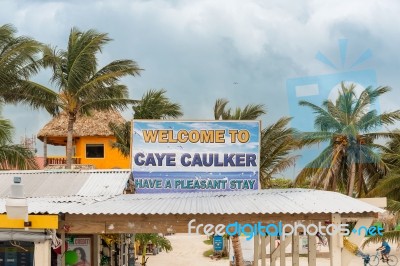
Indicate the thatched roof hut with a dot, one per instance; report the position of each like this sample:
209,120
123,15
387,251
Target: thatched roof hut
94,125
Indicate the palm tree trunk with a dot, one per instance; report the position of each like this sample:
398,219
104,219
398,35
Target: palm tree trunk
237,251
71,121
352,179
144,253
360,180
45,151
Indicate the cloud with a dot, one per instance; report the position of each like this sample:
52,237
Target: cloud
199,51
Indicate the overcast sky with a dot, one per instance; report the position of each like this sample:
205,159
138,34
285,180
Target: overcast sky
199,51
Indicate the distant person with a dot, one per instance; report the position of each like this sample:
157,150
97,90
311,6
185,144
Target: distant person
81,257
385,250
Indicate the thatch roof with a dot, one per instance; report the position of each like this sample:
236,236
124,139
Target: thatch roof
94,125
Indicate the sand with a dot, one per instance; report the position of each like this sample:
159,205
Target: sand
188,251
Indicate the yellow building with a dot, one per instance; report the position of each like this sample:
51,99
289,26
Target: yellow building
92,140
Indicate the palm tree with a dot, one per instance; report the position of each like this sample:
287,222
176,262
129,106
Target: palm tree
250,112
153,105
155,239
13,156
81,86
17,60
277,141
351,157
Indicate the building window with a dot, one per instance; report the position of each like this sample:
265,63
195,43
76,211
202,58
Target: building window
94,150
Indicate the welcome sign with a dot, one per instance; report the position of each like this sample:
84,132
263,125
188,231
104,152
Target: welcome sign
177,156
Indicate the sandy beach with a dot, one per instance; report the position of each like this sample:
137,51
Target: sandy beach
188,250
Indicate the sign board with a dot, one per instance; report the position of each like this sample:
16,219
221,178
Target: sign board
218,243
21,255
177,156
79,252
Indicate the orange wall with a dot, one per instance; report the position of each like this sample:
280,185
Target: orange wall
112,157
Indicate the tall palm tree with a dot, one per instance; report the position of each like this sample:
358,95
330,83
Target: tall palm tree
18,60
13,156
153,105
250,112
277,141
351,156
80,86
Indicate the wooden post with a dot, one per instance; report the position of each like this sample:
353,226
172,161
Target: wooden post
256,249
295,250
45,151
312,250
120,250
63,248
272,258
263,250
112,254
126,250
335,248
96,250
282,247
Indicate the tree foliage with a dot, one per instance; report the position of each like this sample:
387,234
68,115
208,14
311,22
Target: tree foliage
18,61
14,156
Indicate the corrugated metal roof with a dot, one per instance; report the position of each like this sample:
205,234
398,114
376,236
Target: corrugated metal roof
67,182
271,201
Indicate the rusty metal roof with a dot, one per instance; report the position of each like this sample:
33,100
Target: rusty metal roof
270,201
59,183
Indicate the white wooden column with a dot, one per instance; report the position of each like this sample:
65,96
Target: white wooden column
273,251
282,249
264,240
42,253
336,243
312,250
256,249
295,250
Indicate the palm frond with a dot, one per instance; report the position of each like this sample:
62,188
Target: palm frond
389,236
6,131
16,157
18,60
108,76
122,135
155,105
35,96
393,206
219,108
